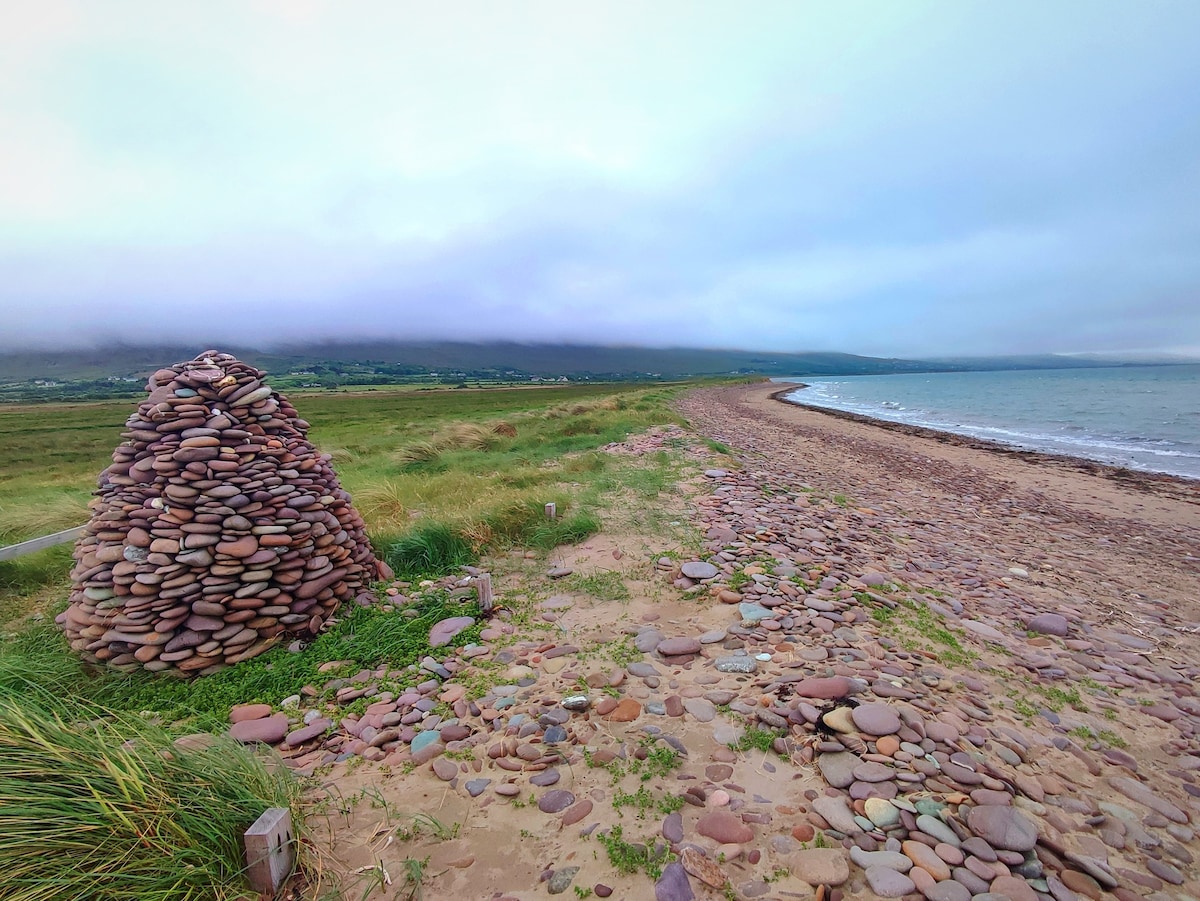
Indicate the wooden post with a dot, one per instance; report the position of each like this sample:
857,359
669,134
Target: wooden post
551,510
270,850
483,586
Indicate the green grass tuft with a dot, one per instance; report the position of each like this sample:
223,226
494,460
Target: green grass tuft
571,529
430,549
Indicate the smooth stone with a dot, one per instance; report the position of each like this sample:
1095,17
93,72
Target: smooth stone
476,787
444,768
699,570
979,848
1164,871
861,791
825,688
1003,827
892,860
677,647
838,768
268,730
424,739
673,884
1049,624
646,640
313,730
736,664
1136,791
626,711
821,866
241,712
560,880
887,745
1081,884
1013,888
935,828
881,812
702,710
555,801
948,891
754,613
839,720
889,883
724,827
927,859
983,630
876,719
836,814
672,828
873,772
576,812
446,630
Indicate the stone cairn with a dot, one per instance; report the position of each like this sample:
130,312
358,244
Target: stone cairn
217,529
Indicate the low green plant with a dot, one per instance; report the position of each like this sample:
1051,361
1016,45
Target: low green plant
631,857
414,876
1056,698
623,652
1111,739
738,581
604,585
757,739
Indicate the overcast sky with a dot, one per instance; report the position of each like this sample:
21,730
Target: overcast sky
893,178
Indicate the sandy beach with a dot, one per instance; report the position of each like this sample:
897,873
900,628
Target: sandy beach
977,670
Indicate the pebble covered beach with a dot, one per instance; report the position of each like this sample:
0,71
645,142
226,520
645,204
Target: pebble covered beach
978,672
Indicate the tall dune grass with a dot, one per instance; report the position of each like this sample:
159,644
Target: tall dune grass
109,809
48,511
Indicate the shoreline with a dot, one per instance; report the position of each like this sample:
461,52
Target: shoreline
1158,483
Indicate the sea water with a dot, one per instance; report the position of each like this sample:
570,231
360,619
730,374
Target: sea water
1141,417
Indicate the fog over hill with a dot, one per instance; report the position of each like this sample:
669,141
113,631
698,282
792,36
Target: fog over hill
503,361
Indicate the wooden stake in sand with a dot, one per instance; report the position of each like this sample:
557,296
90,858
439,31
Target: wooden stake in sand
483,587
270,850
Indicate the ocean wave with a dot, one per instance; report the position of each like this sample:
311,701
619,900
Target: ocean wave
1134,451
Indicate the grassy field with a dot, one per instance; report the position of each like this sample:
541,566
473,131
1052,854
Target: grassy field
473,457
441,477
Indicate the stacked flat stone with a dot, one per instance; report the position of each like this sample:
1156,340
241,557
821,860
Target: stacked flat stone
217,529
